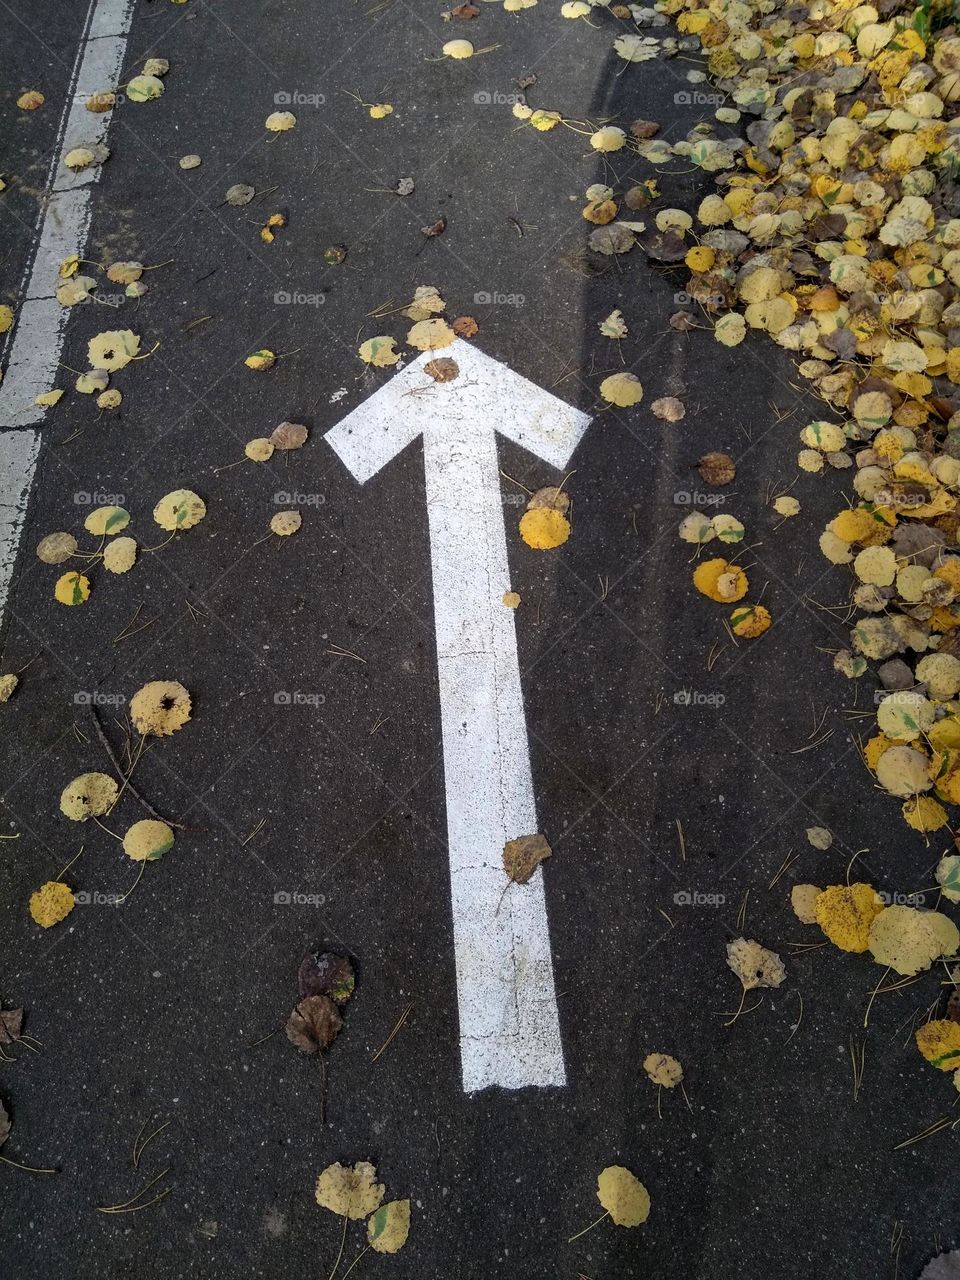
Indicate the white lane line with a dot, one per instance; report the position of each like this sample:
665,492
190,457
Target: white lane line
37,338
18,457
509,1026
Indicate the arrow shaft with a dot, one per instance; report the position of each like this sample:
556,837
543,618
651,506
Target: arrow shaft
509,1026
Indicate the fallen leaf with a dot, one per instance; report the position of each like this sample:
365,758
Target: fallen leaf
939,1042
669,408
443,369
544,528
522,856
622,389
845,913
380,352
350,1192
754,965
147,840
160,708
465,327
180,509
716,468
820,837
389,1226
289,435
326,974
314,1024
239,194
623,1196
51,903
285,523
614,326
663,1070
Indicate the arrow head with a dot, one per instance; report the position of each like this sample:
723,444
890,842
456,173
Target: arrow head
486,395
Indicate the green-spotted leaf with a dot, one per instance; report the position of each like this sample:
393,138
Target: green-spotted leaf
388,1228
948,877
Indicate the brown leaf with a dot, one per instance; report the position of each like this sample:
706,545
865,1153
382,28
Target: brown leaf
643,129
524,82
465,326
683,321
465,11
550,496
11,1022
522,856
326,974
314,1024
443,369
288,435
436,229
716,468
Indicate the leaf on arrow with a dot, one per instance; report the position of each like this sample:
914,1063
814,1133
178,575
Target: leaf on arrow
522,856
326,974
443,369
314,1024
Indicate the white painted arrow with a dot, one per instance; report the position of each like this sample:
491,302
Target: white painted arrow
509,1028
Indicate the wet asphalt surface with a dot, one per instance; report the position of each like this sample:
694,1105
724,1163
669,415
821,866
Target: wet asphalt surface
153,1011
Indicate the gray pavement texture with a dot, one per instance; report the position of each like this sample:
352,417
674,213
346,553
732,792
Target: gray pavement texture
148,1013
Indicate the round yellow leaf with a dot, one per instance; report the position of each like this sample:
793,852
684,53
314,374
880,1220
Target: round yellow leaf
622,389
663,1070
458,49
113,349
379,352
286,522
845,913
104,521
544,528
89,795
56,547
72,588
623,1196
147,840
280,121
939,1042
51,903
389,1226
181,509
259,450
720,580
350,1192
120,555
160,708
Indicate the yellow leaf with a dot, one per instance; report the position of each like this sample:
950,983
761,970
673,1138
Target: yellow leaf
350,1192
458,49
623,1196
261,360
750,620
147,840
160,707
113,349
48,398
720,580
845,913
280,121
285,523
544,528
663,1070
379,352
89,796
51,903
389,1226
909,940
6,319
181,509
939,1042
622,389
72,588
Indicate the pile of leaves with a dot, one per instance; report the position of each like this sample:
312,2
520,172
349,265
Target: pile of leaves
833,229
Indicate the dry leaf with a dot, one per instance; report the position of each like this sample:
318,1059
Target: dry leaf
314,1024
350,1193
522,856
623,1196
754,965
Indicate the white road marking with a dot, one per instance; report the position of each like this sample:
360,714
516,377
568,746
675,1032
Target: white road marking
509,1027
18,457
33,346
37,339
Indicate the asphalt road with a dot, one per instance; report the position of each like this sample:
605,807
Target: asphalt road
151,1012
